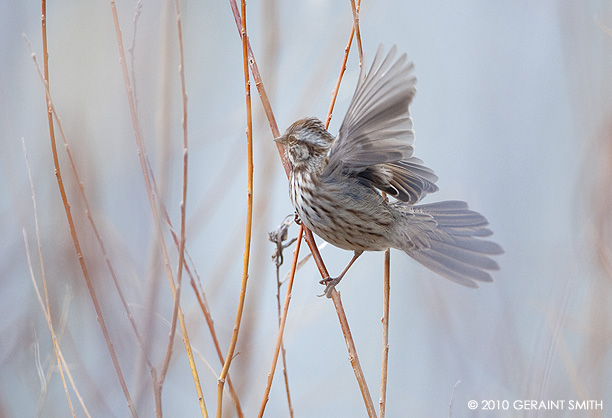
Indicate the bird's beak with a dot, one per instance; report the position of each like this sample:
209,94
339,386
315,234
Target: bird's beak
281,140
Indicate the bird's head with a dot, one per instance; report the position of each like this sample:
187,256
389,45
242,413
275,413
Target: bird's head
306,143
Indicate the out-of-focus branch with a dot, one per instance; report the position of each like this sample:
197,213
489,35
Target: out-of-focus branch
75,240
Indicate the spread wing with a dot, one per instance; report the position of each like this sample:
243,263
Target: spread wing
407,180
376,137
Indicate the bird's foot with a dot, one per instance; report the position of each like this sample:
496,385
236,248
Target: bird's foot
330,284
297,219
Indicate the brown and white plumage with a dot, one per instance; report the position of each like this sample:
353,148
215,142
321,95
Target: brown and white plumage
335,182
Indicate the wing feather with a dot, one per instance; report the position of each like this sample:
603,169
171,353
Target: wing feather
375,142
377,127
407,180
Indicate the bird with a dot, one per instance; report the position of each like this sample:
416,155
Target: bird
335,183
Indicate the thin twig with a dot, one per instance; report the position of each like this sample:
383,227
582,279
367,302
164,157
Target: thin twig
132,51
100,241
342,70
147,175
261,89
347,49
353,358
304,260
249,220
141,341
286,379
211,326
385,337
279,237
606,29
355,10
77,246
102,246
281,328
200,296
450,404
46,307
61,363
181,247
307,233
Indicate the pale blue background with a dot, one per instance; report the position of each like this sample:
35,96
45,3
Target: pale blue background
511,112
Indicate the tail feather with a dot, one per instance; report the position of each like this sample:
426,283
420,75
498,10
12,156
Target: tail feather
453,246
470,257
465,242
450,268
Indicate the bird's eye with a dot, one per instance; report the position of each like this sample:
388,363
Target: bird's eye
292,140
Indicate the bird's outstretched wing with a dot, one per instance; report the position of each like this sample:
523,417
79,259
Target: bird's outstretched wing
375,139
407,180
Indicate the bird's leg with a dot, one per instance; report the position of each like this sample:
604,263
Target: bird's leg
297,218
330,283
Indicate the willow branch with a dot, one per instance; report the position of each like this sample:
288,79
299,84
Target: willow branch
353,358
147,174
77,246
347,49
249,220
107,260
181,246
385,337
355,10
307,233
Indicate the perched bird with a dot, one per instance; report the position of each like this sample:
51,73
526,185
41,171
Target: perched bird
335,182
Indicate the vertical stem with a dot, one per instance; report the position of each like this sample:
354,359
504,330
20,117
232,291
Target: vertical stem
73,233
347,49
281,328
355,10
385,345
179,274
249,220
